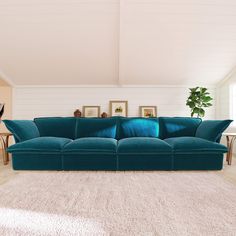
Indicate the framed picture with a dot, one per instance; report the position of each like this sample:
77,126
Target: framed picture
119,108
91,111
148,111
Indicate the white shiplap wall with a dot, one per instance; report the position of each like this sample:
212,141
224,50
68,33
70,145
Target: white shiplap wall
226,100
30,102
223,101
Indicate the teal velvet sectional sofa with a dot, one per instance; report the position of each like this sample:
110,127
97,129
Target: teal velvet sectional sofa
117,143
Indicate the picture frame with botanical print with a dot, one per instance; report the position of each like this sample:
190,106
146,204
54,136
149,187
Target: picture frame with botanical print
148,111
118,108
91,111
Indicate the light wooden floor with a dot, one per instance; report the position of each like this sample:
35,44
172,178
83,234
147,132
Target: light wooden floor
228,172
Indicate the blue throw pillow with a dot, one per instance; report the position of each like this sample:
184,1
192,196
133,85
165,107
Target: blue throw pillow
178,126
63,127
212,129
138,127
22,129
96,127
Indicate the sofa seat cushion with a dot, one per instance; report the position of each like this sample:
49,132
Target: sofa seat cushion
143,145
195,145
92,145
40,145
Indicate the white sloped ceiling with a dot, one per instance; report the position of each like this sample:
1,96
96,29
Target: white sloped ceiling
117,42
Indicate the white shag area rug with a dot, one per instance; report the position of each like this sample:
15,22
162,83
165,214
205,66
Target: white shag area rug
118,203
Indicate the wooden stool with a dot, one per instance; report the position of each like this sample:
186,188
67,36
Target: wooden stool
4,140
230,137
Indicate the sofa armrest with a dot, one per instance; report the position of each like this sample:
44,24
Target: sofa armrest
22,129
212,129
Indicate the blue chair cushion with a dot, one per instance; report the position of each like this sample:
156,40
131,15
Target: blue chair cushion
143,145
212,129
138,127
178,126
56,126
96,127
195,145
22,129
40,145
91,145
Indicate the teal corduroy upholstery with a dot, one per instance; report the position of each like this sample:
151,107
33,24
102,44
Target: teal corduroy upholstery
90,154
138,148
56,126
194,145
144,153
178,126
96,127
40,145
88,145
37,161
22,129
138,127
137,145
212,129
198,161
191,153
43,153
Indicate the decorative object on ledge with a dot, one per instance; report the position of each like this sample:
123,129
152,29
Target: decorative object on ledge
4,141
198,99
1,109
148,111
91,111
119,108
104,115
230,137
77,113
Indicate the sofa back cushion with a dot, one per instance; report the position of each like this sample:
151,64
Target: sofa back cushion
96,127
138,127
56,126
22,130
212,129
178,126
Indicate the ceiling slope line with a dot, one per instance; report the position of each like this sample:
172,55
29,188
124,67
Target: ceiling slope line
227,77
6,78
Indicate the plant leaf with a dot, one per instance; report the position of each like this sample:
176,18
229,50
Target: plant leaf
201,112
203,90
207,99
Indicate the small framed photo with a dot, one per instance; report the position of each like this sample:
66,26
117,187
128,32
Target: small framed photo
91,111
119,108
148,111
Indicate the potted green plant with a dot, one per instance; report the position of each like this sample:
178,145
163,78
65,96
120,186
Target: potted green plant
198,100
1,110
